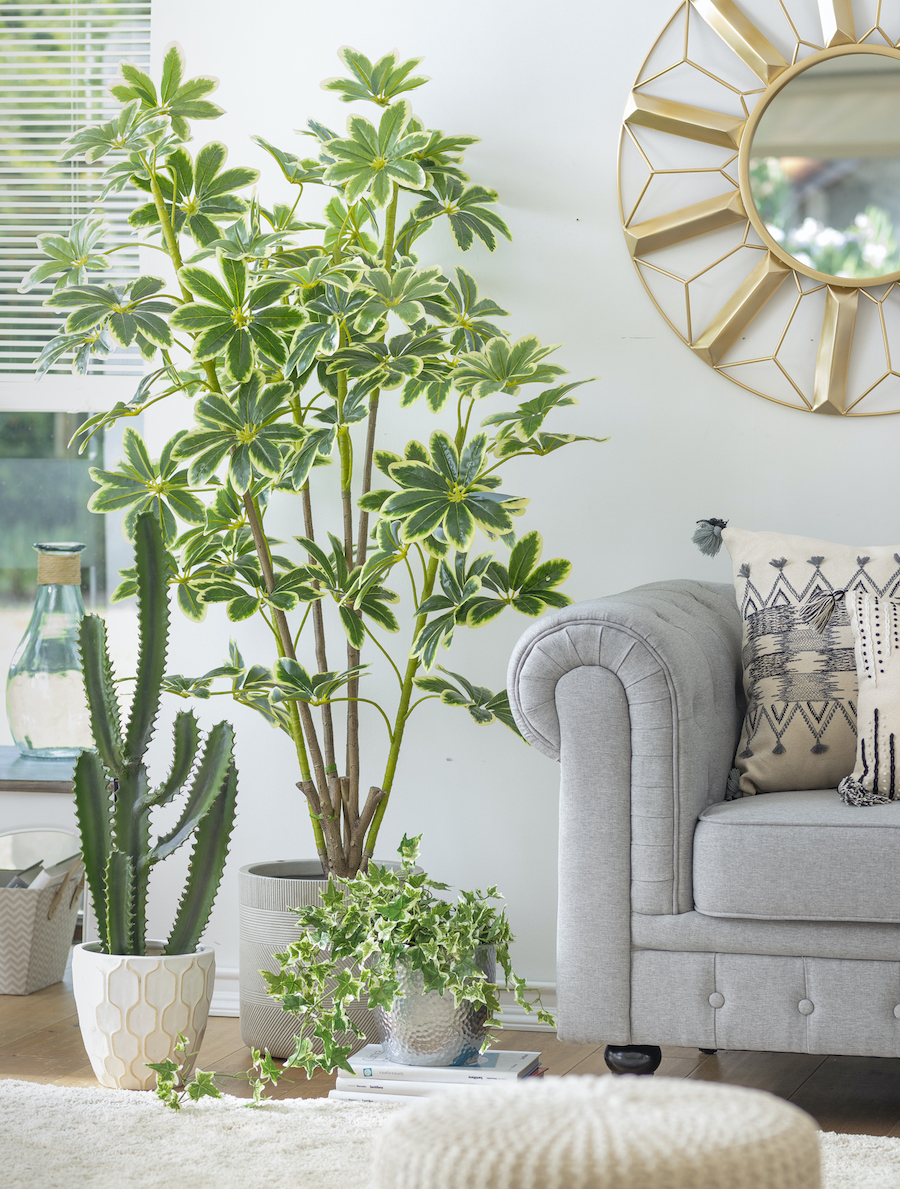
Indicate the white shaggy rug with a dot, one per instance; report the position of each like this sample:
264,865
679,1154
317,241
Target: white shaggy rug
53,1137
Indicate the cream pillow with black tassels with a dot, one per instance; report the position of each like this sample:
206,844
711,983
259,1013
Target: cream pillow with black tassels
800,730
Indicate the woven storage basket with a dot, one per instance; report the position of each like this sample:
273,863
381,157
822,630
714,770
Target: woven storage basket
36,930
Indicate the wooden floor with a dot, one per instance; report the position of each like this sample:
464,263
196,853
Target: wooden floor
40,1042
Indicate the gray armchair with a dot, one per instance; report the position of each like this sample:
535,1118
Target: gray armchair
765,923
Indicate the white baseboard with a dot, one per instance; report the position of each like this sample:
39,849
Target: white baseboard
226,1002
517,1018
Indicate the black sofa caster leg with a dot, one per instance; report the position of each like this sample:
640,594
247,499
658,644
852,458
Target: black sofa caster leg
709,1052
642,1059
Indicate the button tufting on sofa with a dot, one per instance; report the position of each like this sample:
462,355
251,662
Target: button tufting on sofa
717,999
805,1007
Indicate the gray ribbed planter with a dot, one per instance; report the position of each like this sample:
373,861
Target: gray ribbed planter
268,892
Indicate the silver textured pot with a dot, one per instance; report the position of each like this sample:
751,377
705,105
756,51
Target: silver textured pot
268,893
431,1029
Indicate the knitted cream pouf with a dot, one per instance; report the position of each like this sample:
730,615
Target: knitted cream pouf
600,1133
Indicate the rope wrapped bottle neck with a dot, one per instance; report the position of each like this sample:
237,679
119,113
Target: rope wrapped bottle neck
59,563
59,569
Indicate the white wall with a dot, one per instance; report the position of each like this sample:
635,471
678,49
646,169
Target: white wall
544,86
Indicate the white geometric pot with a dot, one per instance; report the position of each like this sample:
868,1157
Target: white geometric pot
130,1010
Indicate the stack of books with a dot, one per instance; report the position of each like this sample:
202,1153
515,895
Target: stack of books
375,1079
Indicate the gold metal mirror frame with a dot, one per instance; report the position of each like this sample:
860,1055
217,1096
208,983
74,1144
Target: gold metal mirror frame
828,391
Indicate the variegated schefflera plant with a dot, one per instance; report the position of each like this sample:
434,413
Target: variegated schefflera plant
113,795
291,336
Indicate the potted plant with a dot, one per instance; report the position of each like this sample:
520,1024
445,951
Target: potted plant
291,336
135,996
426,965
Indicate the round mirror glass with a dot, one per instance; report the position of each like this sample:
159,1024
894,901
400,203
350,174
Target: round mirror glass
825,167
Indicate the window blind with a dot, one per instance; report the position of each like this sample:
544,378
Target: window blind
57,60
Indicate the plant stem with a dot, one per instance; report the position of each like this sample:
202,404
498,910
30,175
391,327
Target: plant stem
345,451
167,229
283,637
403,710
300,712
390,222
363,532
369,702
403,713
174,251
319,632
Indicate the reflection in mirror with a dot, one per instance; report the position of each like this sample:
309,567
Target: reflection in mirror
825,166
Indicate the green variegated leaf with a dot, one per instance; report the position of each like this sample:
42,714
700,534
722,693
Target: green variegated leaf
242,607
524,557
401,293
502,367
140,483
130,131
372,501
435,633
72,256
248,427
482,610
198,194
483,706
177,101
206,286
525,422
353,627
466,314
295,171
126,313
294,683
467,210
190,602
242,324
379,83
371,159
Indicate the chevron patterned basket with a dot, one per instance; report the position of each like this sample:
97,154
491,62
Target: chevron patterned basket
36,930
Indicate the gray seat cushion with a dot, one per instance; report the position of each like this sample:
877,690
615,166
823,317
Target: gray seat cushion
798,856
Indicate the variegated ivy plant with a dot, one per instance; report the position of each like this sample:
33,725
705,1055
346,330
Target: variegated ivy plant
289,335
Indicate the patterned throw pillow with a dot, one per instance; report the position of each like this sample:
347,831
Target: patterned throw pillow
876,632
800,728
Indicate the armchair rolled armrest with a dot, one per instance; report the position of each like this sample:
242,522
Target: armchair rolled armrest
638,696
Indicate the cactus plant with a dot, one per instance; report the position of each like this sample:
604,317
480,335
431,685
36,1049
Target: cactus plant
113,795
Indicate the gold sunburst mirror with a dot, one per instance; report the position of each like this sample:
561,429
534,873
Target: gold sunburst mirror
759,184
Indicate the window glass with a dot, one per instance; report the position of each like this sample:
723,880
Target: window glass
44,490
57,60
45,486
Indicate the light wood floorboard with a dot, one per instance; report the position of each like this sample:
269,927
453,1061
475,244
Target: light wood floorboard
40,1042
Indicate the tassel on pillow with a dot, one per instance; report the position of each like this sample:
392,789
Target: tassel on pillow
818,612
708,536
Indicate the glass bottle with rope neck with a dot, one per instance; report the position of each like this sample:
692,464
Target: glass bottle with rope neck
45,698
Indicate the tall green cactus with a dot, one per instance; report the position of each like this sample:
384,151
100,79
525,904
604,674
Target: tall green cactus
113,795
